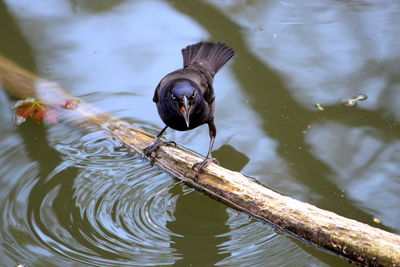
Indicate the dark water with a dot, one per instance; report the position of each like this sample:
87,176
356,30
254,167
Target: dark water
70,198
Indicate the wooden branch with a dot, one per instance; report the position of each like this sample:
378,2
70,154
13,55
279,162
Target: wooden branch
353,240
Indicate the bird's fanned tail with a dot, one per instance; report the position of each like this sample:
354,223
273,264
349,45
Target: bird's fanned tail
212,56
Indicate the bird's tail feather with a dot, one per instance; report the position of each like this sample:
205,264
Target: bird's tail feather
210,55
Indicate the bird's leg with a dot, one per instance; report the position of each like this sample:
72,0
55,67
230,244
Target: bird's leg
148,150
201,165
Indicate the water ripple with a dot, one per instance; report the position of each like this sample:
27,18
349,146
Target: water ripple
97,206
248,247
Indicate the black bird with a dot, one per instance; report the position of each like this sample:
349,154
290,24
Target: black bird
185,97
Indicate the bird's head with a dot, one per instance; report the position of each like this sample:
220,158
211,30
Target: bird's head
184,94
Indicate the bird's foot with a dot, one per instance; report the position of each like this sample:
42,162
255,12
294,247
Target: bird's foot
150,150
201,165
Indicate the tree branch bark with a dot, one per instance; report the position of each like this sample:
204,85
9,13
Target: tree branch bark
353,240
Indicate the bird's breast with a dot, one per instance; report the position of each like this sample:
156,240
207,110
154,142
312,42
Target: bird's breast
172,117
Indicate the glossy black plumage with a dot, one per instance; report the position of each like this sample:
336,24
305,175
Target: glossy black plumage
185,97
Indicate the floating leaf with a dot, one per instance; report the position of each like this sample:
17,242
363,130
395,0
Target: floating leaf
35,109
29,107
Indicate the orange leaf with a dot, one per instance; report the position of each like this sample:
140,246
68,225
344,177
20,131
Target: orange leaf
37,110
26,110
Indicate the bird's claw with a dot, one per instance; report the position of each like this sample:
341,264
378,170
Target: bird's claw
168,143
201,165
151,149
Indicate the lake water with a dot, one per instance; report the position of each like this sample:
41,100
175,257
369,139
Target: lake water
69,198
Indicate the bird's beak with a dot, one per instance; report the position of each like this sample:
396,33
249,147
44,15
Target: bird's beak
185,110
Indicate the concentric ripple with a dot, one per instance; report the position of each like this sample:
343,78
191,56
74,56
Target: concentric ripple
255,243
80,201
97,206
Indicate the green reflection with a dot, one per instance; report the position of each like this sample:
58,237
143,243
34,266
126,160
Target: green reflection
198,219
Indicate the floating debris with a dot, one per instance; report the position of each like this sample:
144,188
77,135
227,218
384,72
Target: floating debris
29,107
318,106
70,104
352,101
37,110
376,220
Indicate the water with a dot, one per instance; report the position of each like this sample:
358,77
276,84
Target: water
71,198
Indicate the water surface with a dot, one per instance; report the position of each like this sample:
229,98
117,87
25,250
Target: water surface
70,198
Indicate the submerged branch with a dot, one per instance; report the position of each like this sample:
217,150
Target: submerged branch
353,240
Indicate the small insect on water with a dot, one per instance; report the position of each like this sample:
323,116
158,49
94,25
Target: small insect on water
352,101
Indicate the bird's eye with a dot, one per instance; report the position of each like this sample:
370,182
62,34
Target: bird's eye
173,97
194,93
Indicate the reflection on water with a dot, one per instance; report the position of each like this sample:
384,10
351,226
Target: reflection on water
119,208
70,199
325,50
97,206
107,208
246,245
366,166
